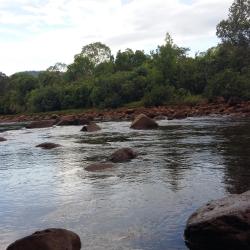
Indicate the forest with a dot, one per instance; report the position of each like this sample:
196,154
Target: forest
166,75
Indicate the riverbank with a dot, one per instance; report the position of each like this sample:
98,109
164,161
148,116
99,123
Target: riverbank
236,109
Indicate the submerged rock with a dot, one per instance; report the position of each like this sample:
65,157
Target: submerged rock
92,127
49,239
122,155
41,124
2,139
221,224
48,145
98,166
144,122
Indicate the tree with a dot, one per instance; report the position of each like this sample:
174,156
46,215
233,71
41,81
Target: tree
58,67
96,53
236,29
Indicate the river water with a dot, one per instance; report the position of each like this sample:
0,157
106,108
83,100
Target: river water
143,204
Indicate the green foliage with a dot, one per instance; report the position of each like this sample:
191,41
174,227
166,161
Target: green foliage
236,29
158,95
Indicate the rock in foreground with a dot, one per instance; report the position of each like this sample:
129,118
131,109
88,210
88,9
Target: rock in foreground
2,139
48,145
122,155
49,239
92,127
221,224
98,166
144,122
41,124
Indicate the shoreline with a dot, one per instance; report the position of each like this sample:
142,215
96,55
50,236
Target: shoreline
241,109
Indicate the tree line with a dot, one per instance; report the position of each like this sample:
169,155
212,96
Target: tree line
166,75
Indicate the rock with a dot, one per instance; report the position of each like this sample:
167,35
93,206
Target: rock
234,101
2,139
123,154
48,145
70,120
41,124
49,239
92,127
143,122
98,166
182,114
221,224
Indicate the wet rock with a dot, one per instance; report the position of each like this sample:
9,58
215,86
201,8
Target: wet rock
179,115
221,224
41,124
144,122
48,145
92,127
70,120
49,239
123,155
2,139
98,166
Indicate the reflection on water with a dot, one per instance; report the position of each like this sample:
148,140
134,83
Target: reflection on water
142,204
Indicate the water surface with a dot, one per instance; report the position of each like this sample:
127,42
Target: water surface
143,204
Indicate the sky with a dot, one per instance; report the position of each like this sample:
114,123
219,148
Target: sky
35,34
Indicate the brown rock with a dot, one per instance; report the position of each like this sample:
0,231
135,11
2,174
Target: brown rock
178,115
123,154
221,224
2,139
92,127
72,120
49,239
41,124
48,145
98,166
143,122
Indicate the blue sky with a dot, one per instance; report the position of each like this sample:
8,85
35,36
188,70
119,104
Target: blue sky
35,34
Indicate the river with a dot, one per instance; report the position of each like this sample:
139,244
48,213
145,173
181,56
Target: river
142,204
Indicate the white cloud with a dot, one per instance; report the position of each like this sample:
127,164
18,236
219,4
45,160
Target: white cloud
36,34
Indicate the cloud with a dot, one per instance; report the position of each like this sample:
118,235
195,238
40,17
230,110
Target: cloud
35,34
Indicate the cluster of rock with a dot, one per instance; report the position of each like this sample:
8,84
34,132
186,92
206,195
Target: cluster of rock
233,107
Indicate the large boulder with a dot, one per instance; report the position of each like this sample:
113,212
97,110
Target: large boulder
92,127
123,155
49,239
98,166
2,139
143,122
69,120
221,224
41,124
48,145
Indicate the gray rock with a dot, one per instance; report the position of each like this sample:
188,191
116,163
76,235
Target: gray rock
49,239
221,224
